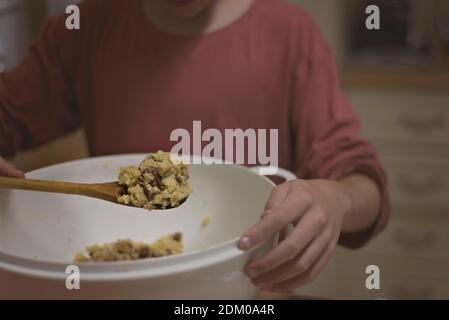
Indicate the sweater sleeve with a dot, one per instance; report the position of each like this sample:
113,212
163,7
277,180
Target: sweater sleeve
37,100
326,131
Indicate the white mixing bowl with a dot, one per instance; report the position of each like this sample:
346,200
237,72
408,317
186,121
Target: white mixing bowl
41,232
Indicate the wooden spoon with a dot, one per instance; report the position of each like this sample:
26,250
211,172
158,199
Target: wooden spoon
105,191
109,191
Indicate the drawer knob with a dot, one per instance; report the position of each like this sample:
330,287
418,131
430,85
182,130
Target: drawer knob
423,124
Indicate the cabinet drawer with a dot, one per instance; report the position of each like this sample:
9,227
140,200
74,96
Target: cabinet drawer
418,182
411,150
398,287
408,118
400,277
419,237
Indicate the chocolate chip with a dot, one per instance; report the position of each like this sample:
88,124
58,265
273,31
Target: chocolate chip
157,177
177,236
145,253
147,193
123,191
180,180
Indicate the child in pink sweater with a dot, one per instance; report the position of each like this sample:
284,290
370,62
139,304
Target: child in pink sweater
138,69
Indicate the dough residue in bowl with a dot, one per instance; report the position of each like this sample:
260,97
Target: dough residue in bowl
205,222
157,183
123,250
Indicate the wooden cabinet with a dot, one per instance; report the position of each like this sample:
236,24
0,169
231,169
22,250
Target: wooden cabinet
401,276
411,133
413,118
419,182
414,233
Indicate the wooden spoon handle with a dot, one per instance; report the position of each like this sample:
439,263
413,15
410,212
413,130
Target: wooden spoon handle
45,186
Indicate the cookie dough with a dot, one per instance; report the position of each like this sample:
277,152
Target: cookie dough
205,222
157,183
123,250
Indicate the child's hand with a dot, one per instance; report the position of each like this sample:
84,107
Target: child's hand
316,210
8,170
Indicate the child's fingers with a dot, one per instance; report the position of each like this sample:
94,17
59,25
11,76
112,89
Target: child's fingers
308,276
299,265
284,233
277,196
292,208
304,233
8,170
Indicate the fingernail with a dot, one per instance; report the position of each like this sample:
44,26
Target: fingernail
17,172
245,243
20,174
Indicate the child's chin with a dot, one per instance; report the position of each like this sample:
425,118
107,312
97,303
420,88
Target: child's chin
186,8
181,3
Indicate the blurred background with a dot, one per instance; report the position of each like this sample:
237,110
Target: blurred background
398,81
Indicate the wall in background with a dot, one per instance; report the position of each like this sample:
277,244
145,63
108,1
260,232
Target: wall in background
329,16
33,15
57,6
14,32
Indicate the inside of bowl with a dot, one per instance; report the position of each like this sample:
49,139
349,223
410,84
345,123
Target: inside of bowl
53,227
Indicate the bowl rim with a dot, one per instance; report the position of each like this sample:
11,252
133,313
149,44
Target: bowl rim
123,270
